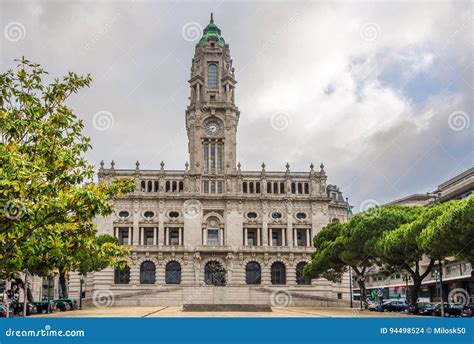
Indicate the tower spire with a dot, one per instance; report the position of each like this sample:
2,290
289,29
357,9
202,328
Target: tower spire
212,17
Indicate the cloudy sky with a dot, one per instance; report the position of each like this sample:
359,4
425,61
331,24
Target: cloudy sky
379,91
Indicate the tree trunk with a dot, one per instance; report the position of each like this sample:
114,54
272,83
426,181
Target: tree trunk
62,282
415,290
363,292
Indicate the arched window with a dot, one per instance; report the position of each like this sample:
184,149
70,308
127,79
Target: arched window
275,187
212,75
147,273
282,187
168,186
251,189
122,276
257,187
143,186
293,188
150,186
253,273
300,279
173,273
157,186
214,273
269,187
181,187
175,186
244,187
278,273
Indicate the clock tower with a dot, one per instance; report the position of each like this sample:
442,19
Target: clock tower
212,117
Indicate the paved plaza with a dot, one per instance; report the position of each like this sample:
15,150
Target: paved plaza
153,312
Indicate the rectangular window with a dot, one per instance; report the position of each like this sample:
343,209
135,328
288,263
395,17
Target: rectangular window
251,237
123,236
301,237
174,236
212,237
149,236
276,237
212,97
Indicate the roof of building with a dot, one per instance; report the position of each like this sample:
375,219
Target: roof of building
211,32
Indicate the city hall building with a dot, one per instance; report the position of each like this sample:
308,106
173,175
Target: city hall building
214,233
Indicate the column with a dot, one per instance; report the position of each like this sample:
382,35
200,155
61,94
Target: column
155,235
142,236
167,236
270,237
161,233
259,232
283,237
221,236
198,96
180,236
295,237
264,227
308,237
116,232
245,237
204,236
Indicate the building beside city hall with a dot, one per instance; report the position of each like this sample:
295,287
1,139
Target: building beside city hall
214,233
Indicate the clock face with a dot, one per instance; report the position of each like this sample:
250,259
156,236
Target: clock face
212,128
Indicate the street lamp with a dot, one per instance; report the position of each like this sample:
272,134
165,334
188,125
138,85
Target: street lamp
350,285
81,278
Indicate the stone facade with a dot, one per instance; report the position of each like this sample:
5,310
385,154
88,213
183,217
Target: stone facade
214,214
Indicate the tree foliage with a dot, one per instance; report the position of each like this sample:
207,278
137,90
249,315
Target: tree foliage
47,195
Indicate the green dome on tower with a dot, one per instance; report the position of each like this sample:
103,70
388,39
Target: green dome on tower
211,30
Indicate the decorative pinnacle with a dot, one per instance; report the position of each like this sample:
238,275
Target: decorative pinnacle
186,165
162,164
287,167
311,166
112,164
322,167
212,17
102,164
137,164
239,165
263,166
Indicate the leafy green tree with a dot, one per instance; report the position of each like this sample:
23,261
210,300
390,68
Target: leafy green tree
47,195
451,234
353,243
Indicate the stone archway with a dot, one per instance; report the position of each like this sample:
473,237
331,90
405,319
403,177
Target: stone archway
215,273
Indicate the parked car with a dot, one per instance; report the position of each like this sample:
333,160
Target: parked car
393,306
18,308
450,309
72,302
469,310
373,306
42,306
62,305
3,311
423,308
